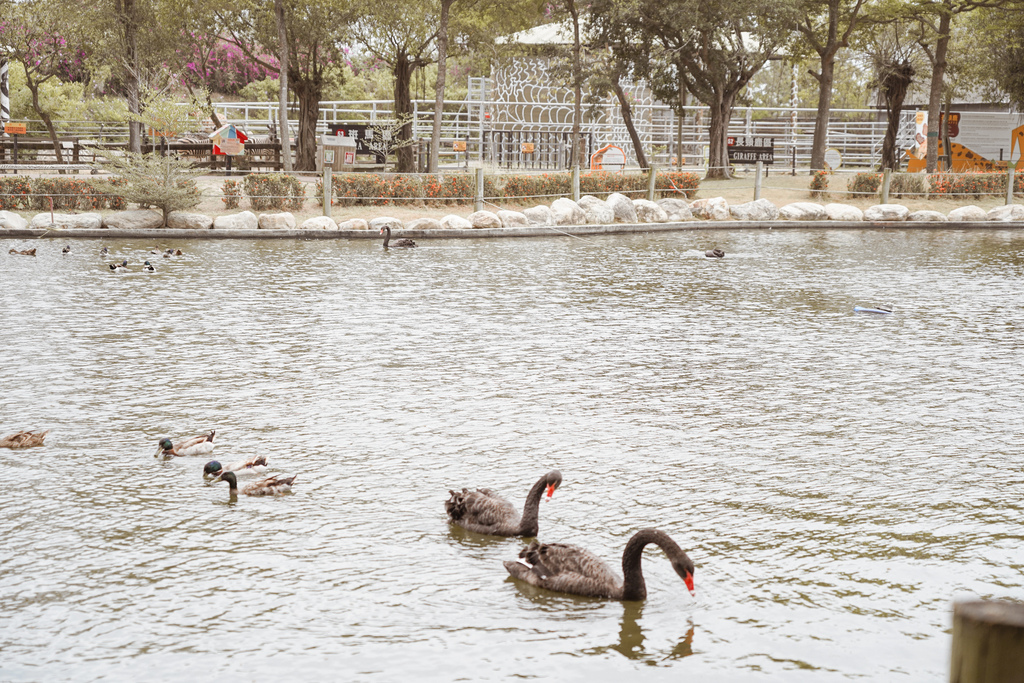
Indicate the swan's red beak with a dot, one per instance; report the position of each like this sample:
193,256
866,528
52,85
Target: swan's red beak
689,584
551,490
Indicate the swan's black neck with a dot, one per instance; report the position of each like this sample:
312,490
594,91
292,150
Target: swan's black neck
633,586
387,235
528,525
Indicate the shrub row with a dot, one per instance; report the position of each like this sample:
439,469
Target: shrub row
371,189
74,194
936,185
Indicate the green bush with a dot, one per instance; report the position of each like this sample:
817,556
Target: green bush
862,185
66,193
819,184
907,185
274,191
232,192
977,185
14,192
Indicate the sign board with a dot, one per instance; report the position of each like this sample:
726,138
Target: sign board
459,146
608,158
527,148
362,133
833,159
745,149
15,128
350,157
328,156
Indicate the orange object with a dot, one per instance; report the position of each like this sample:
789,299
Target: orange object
459,146
527,148
15,128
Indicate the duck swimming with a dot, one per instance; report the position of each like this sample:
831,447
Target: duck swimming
121,267
26,252
196,445
148,267
66,250
715,253
271,486
256,465
27,439
485,512
569,569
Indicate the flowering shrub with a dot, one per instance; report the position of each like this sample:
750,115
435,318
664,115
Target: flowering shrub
222,68
232,192
66,193
819,184
367,189
274,191
974,185
863,184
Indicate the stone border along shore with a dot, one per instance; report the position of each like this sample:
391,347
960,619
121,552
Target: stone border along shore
590,216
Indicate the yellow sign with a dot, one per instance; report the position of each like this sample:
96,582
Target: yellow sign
459,146
231,147
527,148
15,128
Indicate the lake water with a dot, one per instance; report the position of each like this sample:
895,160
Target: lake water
839,479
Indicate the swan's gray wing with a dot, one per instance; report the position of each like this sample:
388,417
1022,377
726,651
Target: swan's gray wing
567,569
482,511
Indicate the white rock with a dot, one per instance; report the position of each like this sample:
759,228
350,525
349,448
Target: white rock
843,212
676,209
968,213
926,216
277,221
803,211
713,208
424,224
393,223
623,207
484,219
649,212
141,219
589,200
86,221
354,224
10,220
513,219
1008,213
453,222
180,220
598,213
320,223
245,220
567,212
757,210
539,215
886,212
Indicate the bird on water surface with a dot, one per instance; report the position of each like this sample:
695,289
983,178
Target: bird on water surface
570,569
404,242
271,486
485,512
196,445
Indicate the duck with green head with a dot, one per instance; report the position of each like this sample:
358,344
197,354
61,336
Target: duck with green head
271,486
196,445
254,465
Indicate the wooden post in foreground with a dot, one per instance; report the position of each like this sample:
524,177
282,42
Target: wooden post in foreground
988,642
886,179
759,166
478,196
328,189
1011,169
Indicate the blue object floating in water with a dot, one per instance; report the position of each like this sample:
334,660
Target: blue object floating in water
876,309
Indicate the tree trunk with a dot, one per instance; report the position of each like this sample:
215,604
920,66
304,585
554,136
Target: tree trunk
308,92
577,86
129,24
442,66
627,118
935,94
282,94
403,71
825,81
718,129
47,121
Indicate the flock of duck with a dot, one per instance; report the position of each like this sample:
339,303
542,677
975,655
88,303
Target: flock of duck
121,267
557,567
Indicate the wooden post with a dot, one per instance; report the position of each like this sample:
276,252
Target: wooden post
757,180
886,178
652,181
478,196
328,189
988,642
575,182
1011,169
15,152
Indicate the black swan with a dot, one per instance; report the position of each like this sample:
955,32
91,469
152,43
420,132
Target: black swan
485,512
404,242
271,486
568,569
715,253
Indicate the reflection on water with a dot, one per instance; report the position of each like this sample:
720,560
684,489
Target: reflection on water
838,479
